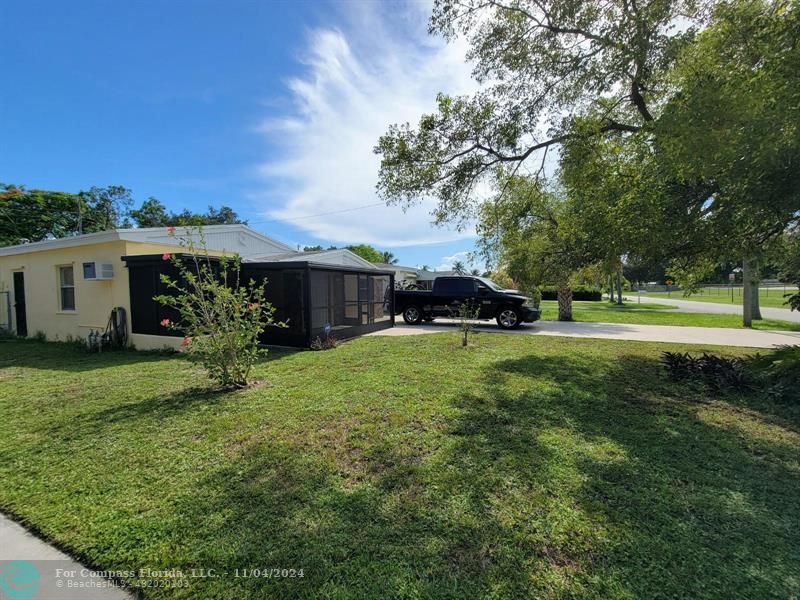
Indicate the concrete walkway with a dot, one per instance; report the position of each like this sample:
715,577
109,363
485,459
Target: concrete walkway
706,336
688,305
48,569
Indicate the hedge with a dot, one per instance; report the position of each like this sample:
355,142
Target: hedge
580,292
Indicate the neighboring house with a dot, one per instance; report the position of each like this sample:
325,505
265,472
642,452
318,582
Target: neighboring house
66,288
405,275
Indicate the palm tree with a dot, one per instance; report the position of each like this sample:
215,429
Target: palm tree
475,272
459,268
389,258
425,268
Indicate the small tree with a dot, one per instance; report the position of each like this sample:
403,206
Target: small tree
466,314
220,317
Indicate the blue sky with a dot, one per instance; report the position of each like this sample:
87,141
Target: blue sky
270,107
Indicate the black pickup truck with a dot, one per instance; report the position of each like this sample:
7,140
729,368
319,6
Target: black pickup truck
508,307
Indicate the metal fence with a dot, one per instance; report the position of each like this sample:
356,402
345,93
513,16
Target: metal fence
767,288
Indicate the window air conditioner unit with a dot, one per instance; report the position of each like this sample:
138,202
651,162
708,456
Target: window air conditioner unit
97,271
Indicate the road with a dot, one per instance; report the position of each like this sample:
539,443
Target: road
783,314
706,336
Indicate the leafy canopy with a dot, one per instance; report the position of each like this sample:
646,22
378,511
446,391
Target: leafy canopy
544,65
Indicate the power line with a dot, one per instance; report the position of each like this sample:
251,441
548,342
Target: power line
333,212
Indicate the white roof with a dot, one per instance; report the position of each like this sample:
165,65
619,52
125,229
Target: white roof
394,267
340,256
238,238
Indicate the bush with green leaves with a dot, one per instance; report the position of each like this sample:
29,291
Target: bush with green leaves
579,292
220,317
776,372
717,372
325,342
779,370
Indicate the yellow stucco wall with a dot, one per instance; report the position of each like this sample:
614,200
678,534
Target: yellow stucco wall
93,299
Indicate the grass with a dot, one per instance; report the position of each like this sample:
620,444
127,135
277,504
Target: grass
522,466
767,297
656,314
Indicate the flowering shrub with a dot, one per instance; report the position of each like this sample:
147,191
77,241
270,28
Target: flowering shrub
221,318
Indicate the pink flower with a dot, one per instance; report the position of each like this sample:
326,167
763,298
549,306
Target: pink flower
166,256
171,230
165,322
186,341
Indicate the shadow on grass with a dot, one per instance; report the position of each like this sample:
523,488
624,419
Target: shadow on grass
50,356
559,476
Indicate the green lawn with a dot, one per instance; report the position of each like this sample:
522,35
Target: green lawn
408,467
655,314
772,297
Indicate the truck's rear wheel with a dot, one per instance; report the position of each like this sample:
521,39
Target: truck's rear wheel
509,318
412,315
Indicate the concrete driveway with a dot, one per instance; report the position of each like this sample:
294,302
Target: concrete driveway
743,338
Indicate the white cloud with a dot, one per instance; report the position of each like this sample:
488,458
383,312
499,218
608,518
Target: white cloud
380,68
465,257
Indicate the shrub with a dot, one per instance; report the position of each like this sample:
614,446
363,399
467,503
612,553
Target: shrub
535,294
680,365
326,342
777,371
220,317
579,292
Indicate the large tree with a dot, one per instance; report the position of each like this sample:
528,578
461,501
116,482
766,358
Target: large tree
544,64
109,208
153,213
33,215
621,83
367,252
738,84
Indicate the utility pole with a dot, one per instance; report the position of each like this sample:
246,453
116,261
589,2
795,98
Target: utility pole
80,214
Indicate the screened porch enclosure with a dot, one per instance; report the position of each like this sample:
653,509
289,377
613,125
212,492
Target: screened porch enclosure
348,303
313,300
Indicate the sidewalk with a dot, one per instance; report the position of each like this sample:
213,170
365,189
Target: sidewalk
707,336
18,544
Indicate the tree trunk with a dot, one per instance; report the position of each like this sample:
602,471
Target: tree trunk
755,300
751,309
564,303
611,288
619,285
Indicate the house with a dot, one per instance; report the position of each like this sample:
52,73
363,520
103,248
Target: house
67,288
404,276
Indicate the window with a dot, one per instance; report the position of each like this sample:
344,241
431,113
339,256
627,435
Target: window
66,280
456,287
89,270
